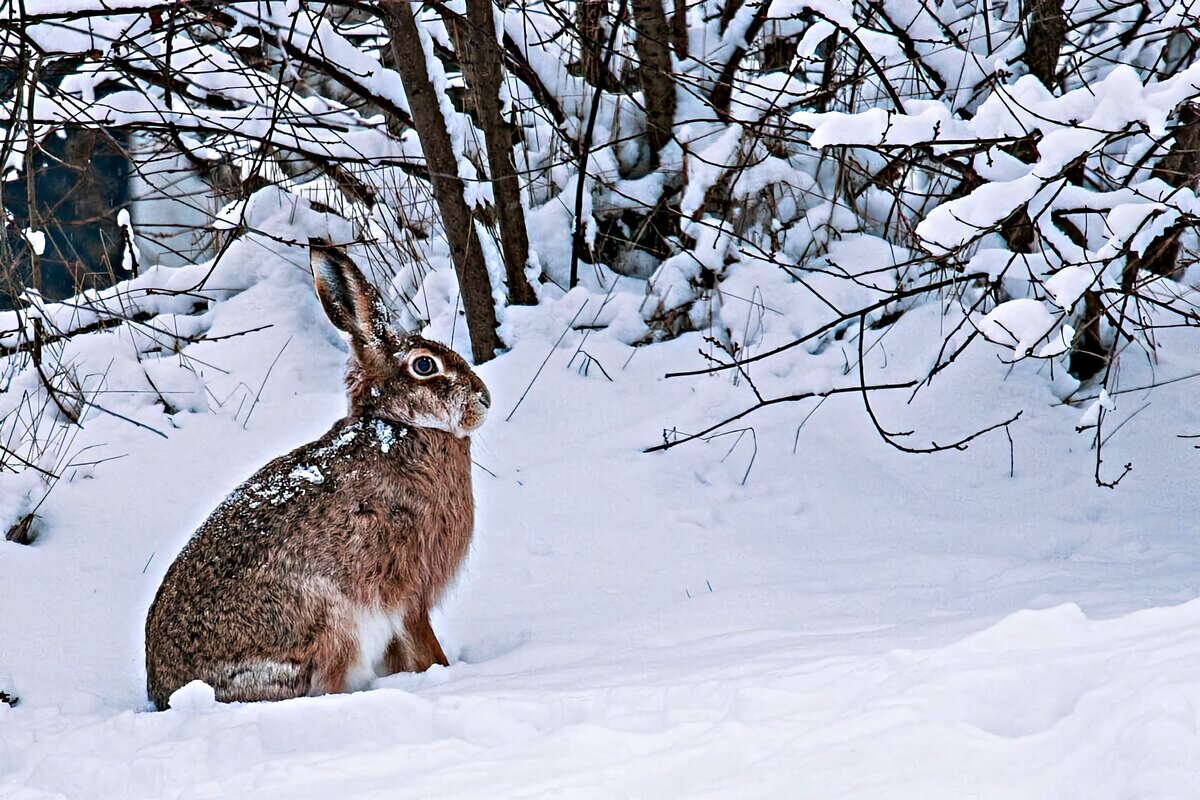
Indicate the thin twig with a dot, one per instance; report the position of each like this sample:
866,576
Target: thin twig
791,398
258,394
891,298
553,347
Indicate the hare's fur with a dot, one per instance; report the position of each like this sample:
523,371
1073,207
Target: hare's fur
318,573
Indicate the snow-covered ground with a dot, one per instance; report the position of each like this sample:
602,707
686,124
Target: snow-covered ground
799,612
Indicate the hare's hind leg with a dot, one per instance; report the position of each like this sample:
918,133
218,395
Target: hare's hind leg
260,679
325,672
417,650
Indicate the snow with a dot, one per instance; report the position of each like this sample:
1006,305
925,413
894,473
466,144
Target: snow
194,696
385,435
1091,415
35,239
1022,324
813,615
1066,286
229,216
308,473
706,166
787,607
1075,712
879,126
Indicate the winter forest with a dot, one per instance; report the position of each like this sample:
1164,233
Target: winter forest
839,374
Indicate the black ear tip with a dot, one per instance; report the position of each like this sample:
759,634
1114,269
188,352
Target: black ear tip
318,248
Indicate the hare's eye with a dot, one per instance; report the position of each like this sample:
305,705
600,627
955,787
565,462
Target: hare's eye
424,366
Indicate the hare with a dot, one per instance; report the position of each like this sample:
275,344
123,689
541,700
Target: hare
318,573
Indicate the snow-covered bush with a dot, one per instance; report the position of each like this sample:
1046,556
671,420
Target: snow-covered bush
1030,168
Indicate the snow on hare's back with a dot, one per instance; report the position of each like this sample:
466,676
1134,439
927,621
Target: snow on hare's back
318,573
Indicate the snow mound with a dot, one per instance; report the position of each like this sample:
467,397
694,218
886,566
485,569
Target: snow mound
789,608
1095,709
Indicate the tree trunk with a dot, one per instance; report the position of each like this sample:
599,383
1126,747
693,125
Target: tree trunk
653,47
679,28
1088,353
465,250
1044,35
728,11
485,73
1180,167
722,93
588,15
1017,228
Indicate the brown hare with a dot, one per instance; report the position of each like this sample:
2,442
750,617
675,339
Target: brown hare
318,573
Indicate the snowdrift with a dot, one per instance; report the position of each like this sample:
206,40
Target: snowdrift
794,609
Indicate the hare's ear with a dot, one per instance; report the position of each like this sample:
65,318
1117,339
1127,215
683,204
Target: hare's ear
351,302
